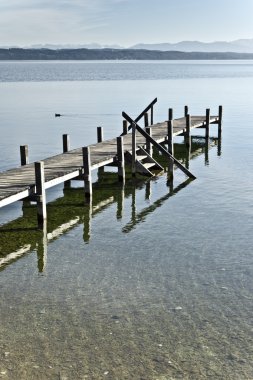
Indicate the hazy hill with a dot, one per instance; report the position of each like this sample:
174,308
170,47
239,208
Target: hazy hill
238,46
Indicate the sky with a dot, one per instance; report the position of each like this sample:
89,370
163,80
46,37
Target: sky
123,22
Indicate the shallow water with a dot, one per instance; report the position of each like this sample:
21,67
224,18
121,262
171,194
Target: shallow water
157,283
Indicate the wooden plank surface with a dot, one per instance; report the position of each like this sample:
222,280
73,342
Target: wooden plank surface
18,183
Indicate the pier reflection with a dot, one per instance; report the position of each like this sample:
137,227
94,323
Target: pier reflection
21,236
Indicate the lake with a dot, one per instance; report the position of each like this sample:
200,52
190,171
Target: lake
151,281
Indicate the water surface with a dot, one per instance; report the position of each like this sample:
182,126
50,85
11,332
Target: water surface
157,283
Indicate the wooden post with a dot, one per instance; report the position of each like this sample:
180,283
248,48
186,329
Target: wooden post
133,149
40,192
65,143
207,122
170,144
186,111
152,115
170,113
146,119
188,131
220,120
125,127
24,155
121,159
87,172
100,138
170,137
149,146
100,134
66,148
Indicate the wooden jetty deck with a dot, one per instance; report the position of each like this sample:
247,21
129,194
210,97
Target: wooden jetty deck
19,237
134,145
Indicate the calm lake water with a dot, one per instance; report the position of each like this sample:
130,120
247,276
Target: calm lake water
152,281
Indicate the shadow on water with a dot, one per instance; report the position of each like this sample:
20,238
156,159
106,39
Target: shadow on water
21,236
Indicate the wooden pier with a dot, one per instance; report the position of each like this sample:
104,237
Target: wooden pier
134,147
19,237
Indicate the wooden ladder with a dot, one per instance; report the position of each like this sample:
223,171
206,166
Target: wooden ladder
144,163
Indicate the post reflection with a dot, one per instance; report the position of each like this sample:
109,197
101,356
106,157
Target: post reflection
42,249
188,155
148,191
139,217
219,144
87,220
120,201
207,147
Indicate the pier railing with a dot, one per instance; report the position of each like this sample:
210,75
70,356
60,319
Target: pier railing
136,127
142,114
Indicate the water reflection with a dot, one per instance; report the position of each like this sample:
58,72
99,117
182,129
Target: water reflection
140,217
21,237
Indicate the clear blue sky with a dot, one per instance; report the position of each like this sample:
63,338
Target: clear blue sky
124,22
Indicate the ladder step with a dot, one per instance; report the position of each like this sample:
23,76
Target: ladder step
142,167
141,157
148,164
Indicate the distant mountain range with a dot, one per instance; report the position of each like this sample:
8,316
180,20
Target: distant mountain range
237,46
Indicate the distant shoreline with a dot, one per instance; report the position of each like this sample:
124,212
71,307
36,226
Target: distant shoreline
17,54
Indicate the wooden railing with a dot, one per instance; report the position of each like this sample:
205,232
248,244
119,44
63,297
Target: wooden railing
136,127
149,107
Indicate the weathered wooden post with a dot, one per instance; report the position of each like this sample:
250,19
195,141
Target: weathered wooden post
220,120
149,146
186,111
65,143
87,172
207,123
146,123
40,192
125,127
100,134
100,138
152,115
65,149
121,159
170,113
24,160
170,137
170,144
188,131
133,149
